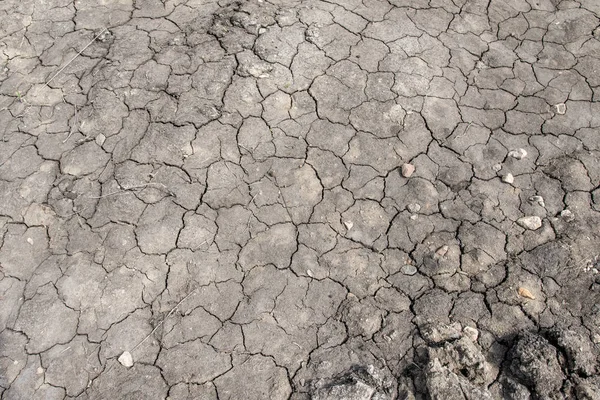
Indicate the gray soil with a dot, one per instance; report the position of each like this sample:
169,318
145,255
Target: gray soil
285,199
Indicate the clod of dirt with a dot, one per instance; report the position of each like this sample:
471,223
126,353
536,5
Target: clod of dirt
360,383
534,361
443,384
439,333
579,352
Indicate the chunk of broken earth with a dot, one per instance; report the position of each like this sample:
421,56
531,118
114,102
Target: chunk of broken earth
407,170
524,292
560,108
408,269
126,359
518,153
531,223
508,178
439,333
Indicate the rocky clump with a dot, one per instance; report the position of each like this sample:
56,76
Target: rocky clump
451,364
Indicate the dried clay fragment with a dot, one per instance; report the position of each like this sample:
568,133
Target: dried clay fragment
523,292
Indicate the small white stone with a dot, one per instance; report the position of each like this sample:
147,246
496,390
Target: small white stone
414,207
471,333
560,108
261,31
349,224
126,359
508,178
566,214
414,216
497,167
518,153
100,139
30,241
309,273
538,199
532,223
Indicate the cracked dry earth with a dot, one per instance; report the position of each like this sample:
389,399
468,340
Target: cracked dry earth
284,199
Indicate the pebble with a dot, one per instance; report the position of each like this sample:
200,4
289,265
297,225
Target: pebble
567,214
508,178
126,359
596,338
471,332
532,223
560,108
518,154
414,216
414,207
497,167
407,170
348,224
100,139
538,199
441,252
408,269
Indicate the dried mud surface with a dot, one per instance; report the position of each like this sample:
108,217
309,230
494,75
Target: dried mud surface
343,199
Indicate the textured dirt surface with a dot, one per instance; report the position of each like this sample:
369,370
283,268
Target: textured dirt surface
359,199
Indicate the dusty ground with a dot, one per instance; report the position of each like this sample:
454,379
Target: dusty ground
220,190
